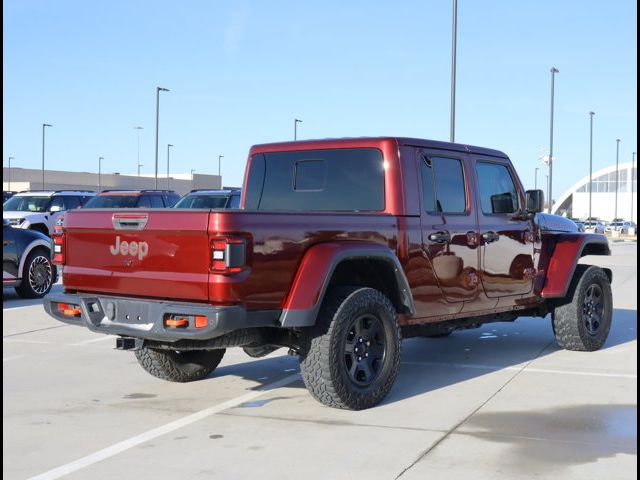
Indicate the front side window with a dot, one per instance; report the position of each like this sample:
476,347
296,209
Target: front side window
498,194
27,203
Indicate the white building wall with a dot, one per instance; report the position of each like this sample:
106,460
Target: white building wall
31,179
603,205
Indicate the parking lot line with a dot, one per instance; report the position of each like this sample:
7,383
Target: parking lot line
93,340
13,357
527,369
158,431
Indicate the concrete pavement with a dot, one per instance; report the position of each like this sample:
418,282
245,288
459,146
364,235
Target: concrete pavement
497,402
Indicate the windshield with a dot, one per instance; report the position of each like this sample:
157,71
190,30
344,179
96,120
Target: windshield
27,203
202,201
113,201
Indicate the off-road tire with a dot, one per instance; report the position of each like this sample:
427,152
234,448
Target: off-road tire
569,321
44,267
322,358
174,366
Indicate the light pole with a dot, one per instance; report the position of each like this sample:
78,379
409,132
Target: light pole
548,190
454,35
168,147
615,215
591,114
554,70
44,125
295,128
138,128
535,182
633,161
158,90
192,170
12,158
220,157
100,173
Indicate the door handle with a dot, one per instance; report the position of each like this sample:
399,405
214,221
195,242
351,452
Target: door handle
490,237
440,237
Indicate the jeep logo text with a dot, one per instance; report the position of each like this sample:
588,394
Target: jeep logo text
129,248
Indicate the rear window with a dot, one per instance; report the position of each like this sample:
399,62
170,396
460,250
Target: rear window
202,201
113,201
317,180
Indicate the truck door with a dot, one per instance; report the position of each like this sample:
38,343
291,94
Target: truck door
506,239
449,225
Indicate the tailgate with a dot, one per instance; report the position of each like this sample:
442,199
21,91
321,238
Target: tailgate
156,253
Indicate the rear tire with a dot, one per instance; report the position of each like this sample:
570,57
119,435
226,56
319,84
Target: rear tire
174,366
583,322
351,357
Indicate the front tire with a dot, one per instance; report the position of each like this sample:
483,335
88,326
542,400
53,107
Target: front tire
583,322
175,366
351,357
37,275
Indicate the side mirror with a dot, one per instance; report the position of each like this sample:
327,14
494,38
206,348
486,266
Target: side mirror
55,208
535,201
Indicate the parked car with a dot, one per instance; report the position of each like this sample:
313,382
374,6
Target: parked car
594,226
134,199
202,198
6,195
342,248
39,210
619,226
579,223
26,261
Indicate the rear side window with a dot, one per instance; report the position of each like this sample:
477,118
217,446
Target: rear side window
443,187
498,194
317,180
71,202
156,201
234,202
57,202
171,199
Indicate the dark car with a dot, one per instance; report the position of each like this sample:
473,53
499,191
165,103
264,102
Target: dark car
26,261
226,198
134,199
6,195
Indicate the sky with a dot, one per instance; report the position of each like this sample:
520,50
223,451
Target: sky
240,72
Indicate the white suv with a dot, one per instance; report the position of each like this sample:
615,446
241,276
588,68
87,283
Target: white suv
39,210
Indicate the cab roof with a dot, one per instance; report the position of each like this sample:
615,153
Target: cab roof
360,142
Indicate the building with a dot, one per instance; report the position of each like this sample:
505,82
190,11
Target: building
575,201
20,179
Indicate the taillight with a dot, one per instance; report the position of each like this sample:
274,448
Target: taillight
58,248
58,241
228,254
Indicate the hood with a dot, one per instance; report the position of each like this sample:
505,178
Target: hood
15,214
555,223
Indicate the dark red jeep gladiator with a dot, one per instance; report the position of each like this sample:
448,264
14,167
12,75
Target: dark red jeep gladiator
341,248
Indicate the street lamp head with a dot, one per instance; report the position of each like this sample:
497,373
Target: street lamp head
554,70
161,89
138,128
298,120
169,145
47,125
592,113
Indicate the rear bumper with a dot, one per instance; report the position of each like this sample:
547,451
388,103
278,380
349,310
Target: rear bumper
145,318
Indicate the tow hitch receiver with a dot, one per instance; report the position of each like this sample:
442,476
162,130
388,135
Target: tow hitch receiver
128,343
